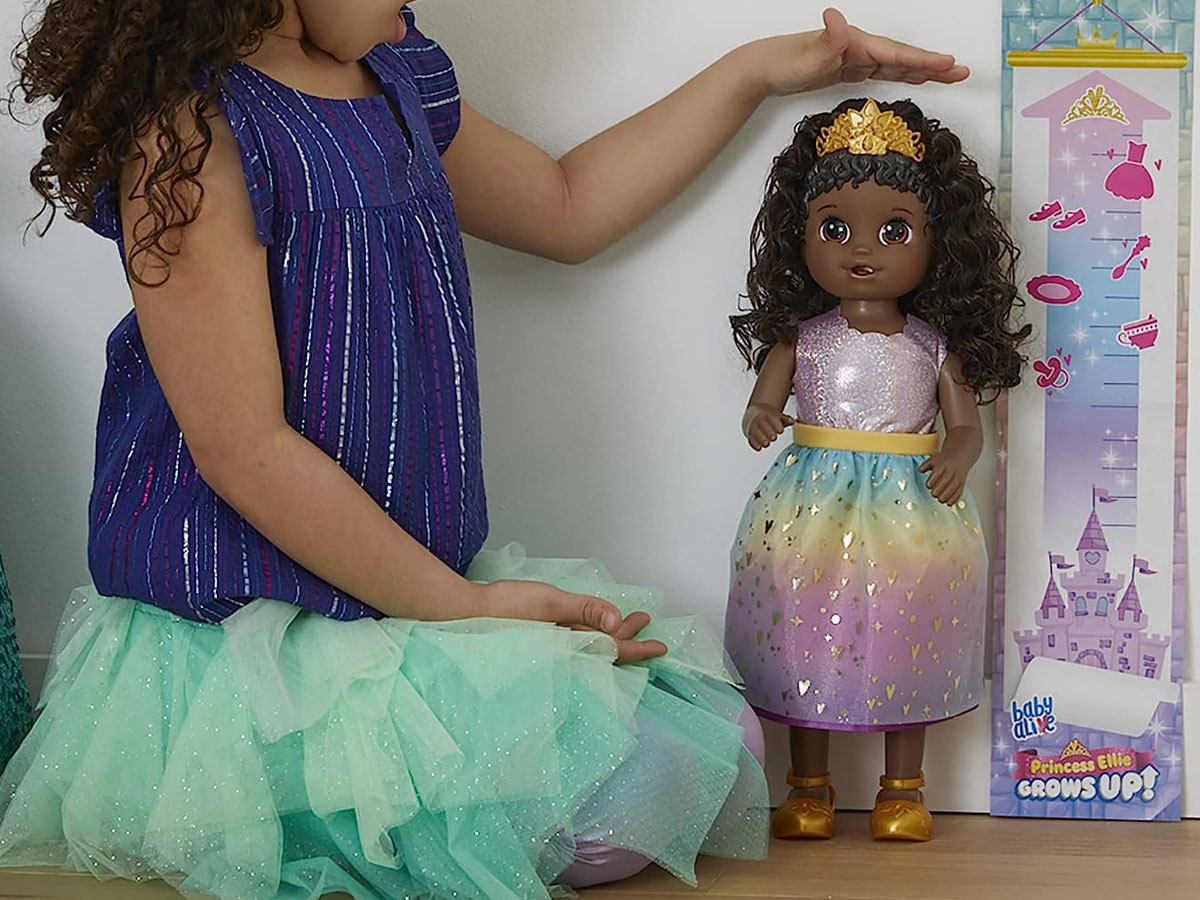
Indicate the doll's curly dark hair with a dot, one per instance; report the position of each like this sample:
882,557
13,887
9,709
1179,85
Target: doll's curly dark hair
970,290
116,70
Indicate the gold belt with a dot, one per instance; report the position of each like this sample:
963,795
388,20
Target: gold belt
865,441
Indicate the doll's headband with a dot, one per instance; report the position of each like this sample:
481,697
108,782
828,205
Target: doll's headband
870,132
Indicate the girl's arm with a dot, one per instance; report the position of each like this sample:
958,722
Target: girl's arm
765,419
211,339
509,192
964,435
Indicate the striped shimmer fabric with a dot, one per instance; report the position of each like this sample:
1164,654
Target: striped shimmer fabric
373,319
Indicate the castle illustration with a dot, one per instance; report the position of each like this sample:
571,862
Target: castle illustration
1091,628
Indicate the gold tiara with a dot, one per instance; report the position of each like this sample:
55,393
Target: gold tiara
870,132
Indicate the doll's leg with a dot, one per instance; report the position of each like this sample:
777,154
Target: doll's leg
599,863
808,811
900,813
810,759
904,755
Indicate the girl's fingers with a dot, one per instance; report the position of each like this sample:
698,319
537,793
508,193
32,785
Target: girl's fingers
632,626
639,651
591,612
837,30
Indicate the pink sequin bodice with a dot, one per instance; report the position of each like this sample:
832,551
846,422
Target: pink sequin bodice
868,382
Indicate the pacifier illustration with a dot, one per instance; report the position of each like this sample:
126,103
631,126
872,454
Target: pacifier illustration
1052,372
1140,335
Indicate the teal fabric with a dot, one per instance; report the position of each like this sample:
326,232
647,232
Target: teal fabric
16,714
283,755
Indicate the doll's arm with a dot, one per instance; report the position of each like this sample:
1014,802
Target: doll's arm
964,435
765,419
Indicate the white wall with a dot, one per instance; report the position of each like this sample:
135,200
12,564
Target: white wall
612,394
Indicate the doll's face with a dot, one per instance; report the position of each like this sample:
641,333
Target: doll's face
867,242
348,29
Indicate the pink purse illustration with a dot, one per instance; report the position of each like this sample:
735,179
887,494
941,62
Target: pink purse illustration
1131,180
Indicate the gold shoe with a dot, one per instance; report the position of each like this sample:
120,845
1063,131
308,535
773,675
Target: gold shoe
901,820
801,818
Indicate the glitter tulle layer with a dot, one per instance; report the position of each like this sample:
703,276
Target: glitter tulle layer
283,755
857,599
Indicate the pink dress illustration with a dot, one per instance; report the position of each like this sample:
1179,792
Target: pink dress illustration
1131,180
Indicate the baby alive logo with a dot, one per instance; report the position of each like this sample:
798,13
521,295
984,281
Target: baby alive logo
1034,718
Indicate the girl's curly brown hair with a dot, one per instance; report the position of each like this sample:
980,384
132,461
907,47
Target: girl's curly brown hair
117,70
970,290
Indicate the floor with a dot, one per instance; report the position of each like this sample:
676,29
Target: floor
972,858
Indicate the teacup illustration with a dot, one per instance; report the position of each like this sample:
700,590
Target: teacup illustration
1141,335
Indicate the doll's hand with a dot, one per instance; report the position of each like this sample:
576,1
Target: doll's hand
841,53
949,478
762,426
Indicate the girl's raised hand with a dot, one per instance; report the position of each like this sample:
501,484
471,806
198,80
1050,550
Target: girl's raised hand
538,602
840,52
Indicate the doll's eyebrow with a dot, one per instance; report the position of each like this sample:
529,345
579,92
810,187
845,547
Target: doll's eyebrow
903,210
827,206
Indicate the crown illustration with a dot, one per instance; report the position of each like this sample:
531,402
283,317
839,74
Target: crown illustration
1096,104
1096,40
1074,749
870,132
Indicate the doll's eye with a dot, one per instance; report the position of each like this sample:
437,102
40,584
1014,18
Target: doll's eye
897,231
835,230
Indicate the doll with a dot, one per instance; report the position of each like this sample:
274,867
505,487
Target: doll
880,291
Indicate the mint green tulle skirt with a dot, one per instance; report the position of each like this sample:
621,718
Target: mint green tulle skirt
282,755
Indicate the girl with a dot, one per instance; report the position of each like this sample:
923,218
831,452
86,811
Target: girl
296,673
881,287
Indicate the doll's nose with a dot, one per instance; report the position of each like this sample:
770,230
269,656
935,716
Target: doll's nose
863,250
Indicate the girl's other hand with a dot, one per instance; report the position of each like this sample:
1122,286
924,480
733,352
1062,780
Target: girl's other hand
538,602
763,426
840,52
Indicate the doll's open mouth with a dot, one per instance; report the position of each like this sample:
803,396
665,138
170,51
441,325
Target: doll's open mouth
862,271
